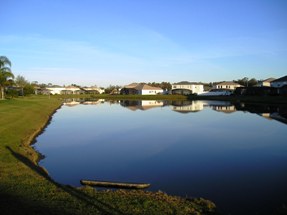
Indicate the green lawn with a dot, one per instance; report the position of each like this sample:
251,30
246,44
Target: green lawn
25,188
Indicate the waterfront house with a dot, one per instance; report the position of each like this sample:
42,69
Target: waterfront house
65,90
266,82
230,85
280,82
186,88
93,90
140,89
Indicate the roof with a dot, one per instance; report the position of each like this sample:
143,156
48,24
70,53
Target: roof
187,83
141,87
269,80
284,78
227,83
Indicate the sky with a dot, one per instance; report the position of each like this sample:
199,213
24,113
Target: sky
117,42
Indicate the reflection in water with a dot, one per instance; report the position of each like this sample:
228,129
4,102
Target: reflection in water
268,111
187,106
233,159
141,104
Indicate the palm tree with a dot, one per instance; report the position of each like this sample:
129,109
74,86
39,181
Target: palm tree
5,74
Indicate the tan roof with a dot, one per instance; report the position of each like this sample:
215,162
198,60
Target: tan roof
141,87
269,80
228,83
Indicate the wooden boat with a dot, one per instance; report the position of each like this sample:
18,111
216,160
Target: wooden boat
115,184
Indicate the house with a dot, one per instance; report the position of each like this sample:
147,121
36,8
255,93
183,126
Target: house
280,82
93,90
266,83
65,90
186,88
230,85
140,89
218,92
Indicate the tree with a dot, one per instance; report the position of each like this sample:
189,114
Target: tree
5,74
21,82
247,82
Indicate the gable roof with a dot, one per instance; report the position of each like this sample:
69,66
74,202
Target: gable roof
268,80
228,83
284,78
187,83
141,87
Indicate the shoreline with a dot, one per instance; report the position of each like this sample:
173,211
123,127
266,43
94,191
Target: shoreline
20,172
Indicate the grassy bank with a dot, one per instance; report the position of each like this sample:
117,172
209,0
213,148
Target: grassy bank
25,188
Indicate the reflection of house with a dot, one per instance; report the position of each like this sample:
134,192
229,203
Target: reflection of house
141,104
266,83
268,111
224,109
227,85
193,106
280,82
186,88
140,89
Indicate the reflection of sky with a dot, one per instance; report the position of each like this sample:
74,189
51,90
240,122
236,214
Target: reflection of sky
206,153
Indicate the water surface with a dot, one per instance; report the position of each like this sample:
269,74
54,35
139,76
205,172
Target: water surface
231,154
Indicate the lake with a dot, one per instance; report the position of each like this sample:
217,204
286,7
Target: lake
232,154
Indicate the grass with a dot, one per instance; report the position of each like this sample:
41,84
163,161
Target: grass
25,188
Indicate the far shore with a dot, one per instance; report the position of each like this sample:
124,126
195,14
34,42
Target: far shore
232,98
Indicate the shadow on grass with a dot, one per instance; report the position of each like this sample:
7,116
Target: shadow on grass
102,207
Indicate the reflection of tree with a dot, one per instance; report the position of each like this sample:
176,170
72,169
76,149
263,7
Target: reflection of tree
271,111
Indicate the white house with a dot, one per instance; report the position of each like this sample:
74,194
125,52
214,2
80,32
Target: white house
280,82
227,85
186,88
64,90
141,89
217,92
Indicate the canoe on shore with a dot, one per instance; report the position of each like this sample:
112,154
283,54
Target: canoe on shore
115,184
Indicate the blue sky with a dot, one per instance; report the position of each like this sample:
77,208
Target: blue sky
107,42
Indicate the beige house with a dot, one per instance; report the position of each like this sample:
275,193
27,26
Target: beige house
227,85
140,89
266,83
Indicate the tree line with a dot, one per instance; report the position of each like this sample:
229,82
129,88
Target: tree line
25,87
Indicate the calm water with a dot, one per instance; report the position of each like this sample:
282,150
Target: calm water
234,155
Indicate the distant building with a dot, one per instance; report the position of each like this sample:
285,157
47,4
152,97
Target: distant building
280,82
266,83
218,92
186,88
140,89
93,90
65,90
230,85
